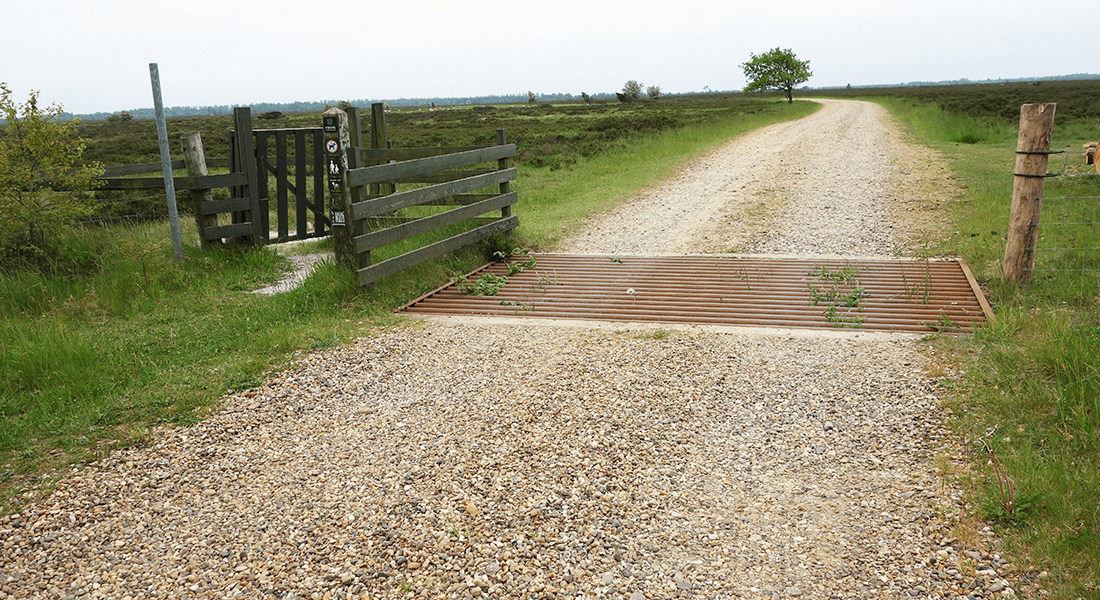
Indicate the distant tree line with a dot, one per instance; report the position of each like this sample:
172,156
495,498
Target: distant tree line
318,106
654,92
965,81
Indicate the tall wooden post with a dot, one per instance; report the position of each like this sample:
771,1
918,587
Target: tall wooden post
502,164
355,130
1032,152
245,149
379,140
195,160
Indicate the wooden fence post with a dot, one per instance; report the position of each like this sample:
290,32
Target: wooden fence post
337,144
355,130
379,140
502,164
1032,152
195,160
245,159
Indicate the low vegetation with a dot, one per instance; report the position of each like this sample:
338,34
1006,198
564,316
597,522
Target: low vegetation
1025,390
989,103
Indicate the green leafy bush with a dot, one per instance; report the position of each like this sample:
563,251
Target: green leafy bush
42,179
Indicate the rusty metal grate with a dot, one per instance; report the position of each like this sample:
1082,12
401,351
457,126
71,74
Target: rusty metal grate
873,295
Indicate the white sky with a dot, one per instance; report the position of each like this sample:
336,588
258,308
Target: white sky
94,55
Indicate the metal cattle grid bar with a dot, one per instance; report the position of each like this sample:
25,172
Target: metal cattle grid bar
914,296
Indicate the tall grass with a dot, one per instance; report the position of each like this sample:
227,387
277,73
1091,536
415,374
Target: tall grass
1030,400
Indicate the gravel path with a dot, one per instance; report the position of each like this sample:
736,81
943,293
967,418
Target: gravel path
823,185
462,459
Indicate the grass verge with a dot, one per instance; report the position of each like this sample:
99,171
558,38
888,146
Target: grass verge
1028,406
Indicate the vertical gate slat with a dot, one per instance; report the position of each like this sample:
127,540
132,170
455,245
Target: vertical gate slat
263,165
281,182
235,167
319,178
301,228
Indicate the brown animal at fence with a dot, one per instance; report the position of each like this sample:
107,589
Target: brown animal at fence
1090,155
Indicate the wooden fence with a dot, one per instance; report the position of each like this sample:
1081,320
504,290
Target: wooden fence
365,195
247,182
366,210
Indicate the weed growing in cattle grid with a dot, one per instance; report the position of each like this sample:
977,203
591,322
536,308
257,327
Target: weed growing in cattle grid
841,290
545,280
486,285
834,316
925,284
521,266
943,325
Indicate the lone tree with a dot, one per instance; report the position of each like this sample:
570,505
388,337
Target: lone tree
632,90
776,69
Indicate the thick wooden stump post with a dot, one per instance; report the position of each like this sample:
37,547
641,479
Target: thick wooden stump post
1032,147
195,160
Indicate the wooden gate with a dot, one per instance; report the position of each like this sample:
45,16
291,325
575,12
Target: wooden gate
298,177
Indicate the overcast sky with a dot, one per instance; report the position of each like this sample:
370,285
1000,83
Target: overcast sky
93,55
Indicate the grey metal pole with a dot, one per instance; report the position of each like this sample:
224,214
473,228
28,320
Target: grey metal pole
166,164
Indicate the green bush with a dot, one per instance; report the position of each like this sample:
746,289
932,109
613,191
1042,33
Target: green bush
42,180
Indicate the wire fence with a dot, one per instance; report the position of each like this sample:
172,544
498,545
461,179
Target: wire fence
136,215
1069,229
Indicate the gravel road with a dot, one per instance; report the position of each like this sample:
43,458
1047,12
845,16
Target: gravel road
511,459
840,182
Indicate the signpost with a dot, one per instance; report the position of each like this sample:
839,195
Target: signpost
335,124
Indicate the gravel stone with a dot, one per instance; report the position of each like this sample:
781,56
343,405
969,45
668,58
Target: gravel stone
478,458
